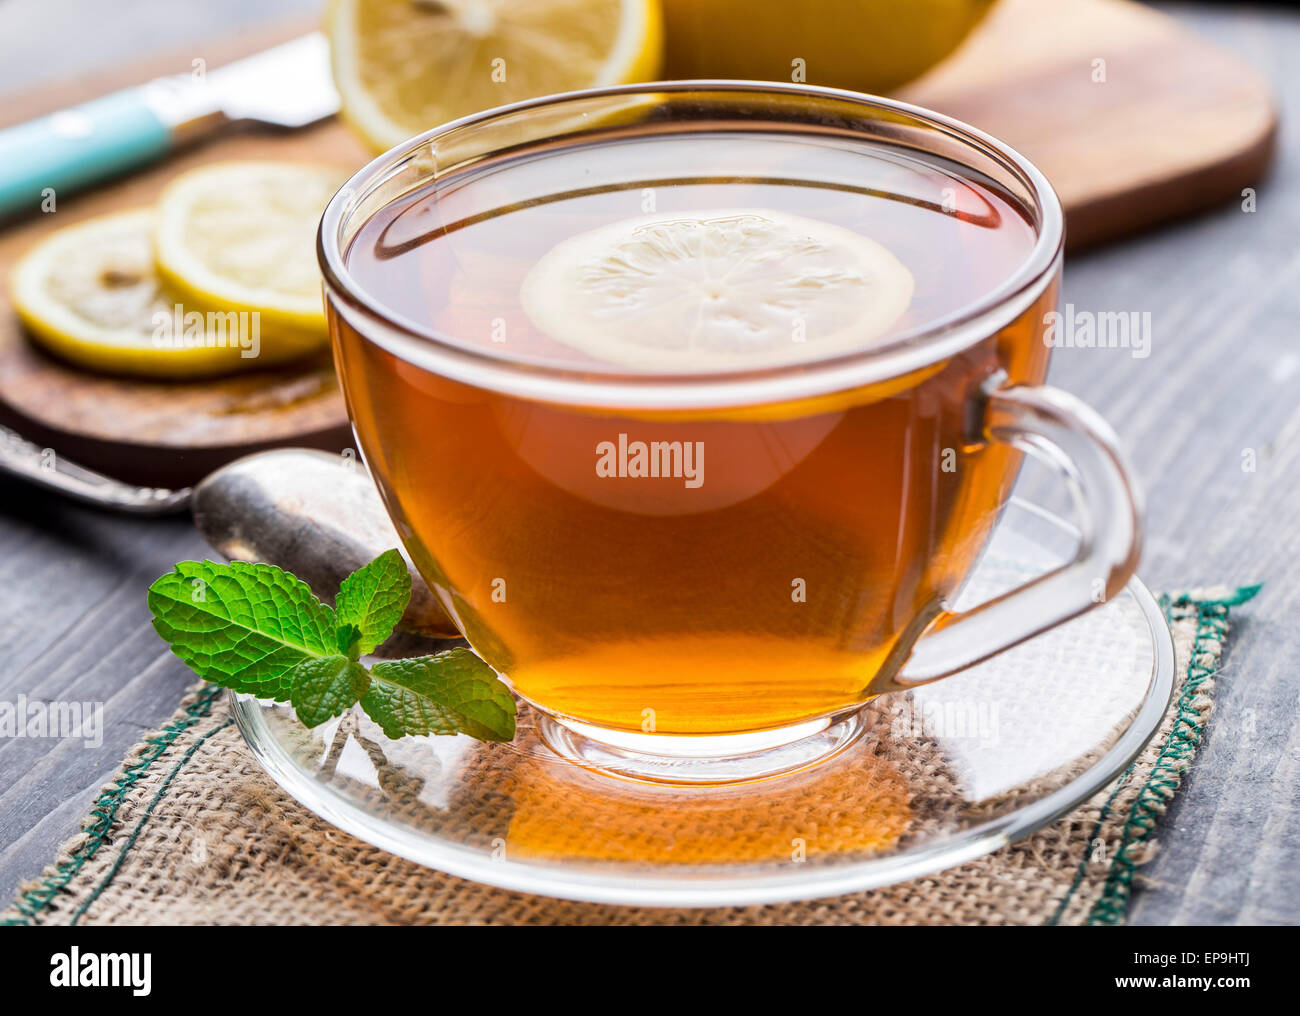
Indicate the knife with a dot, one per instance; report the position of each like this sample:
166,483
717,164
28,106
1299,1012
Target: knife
285,86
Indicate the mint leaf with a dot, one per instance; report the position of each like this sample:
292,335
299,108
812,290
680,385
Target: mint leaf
242,626
348,639
325,687
373,598
257,629
452,692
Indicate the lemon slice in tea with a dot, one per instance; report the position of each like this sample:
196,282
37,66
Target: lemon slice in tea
731,289
404,66
241,236
90,295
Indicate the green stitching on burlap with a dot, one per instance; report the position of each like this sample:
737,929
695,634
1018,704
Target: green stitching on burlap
148,814
1166,775
1212,619
100,820
1082,869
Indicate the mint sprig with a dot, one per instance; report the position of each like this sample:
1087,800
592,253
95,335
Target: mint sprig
257,629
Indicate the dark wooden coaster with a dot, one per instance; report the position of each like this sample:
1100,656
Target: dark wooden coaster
166,434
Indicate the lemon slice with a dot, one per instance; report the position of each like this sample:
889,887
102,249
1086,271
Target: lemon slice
241,236
404,66
89,294
730,289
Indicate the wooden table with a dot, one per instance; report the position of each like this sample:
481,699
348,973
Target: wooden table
1221,385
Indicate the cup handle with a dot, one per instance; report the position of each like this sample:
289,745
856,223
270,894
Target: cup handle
1059,428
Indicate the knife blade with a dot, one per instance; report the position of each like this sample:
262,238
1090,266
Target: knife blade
288,86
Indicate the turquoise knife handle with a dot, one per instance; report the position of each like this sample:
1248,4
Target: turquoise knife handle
76,147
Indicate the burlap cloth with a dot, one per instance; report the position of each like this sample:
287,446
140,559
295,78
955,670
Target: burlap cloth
191,831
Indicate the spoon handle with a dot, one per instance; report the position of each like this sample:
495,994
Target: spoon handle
45,468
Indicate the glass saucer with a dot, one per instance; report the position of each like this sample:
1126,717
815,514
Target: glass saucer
935,777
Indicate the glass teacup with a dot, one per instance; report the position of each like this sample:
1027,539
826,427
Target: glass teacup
698,562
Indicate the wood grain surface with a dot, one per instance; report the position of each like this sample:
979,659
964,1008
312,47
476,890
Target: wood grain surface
1219,391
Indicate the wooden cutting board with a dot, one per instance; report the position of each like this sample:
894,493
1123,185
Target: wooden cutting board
1135,119
1168,124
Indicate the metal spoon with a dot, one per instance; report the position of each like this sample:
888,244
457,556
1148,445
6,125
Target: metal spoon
309,512
45,468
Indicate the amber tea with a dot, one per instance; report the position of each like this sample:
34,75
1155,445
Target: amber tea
691,569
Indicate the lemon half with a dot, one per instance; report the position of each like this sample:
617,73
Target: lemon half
731,289
865,45
404,66
241,236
